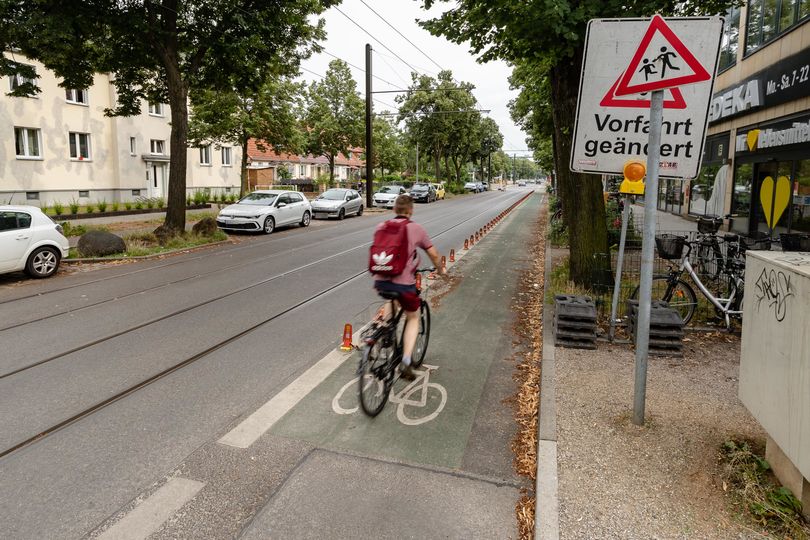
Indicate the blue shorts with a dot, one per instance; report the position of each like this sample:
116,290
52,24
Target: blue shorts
409,296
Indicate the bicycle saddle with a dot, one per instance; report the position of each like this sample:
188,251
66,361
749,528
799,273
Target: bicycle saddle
389,295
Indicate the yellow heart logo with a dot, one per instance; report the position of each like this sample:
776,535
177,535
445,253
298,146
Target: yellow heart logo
775,198
752,138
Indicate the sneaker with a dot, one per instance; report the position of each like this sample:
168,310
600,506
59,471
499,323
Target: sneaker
407,372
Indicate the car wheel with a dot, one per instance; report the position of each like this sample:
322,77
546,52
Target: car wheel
43,262
306,219
269,225
342,213
360,210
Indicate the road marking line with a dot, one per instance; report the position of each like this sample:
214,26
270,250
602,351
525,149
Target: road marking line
255,425
150,514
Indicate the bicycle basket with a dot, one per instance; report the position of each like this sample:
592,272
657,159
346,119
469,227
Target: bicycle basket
670,246
757,240
709,224
794,242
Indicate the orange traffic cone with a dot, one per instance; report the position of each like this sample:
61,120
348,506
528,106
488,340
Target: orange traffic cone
347,338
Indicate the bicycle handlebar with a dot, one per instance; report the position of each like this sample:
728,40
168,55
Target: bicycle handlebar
423,270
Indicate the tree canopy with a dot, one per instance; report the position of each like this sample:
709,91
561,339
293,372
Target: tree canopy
160,51
334,115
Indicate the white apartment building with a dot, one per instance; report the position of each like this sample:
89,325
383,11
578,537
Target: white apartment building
59,146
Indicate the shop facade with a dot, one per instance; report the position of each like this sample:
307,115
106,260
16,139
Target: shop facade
758,140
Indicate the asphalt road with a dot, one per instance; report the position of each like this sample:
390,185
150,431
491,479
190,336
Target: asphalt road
110,378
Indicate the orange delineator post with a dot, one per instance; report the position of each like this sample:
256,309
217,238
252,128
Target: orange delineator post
466,244
419,281
347,338
452,255
477,238
444,263
471,241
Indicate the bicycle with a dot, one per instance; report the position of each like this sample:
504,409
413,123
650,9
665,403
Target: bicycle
382,350
681,296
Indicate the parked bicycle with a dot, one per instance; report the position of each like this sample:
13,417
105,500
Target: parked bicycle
382,349
680,295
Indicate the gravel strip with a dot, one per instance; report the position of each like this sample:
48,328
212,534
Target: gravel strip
617,480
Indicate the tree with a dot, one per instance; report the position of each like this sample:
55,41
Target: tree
267,115
441,114
389,153
162,51
490,140
546,39
334,115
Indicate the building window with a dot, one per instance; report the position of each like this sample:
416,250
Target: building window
32,195
226,156
708,191
133,146
136,192
156,109
769,18
731,39
78,97
15,81
79,146
303,171
157,147
205,155
85,194
26,142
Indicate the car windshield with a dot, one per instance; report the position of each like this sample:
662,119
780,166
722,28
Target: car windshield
259,199
419,187
333,195
470,184
390,189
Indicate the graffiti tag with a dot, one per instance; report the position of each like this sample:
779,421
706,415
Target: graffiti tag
773,288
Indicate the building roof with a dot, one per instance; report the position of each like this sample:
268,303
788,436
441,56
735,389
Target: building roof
271,156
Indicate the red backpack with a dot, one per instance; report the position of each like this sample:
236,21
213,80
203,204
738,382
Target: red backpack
389,250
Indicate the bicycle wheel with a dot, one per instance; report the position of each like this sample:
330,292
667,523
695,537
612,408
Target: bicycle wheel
709,260
375,379
423,336
680,296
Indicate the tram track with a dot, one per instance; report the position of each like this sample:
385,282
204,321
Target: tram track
89,410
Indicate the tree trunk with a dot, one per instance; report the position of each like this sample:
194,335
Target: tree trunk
178,148
245,185
436,166
331,170
581,194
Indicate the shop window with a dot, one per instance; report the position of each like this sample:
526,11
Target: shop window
741,196
801,197
773,170
769,18
707,192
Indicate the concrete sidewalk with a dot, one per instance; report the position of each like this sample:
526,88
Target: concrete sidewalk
666,221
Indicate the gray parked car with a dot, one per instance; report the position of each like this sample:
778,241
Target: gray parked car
337,203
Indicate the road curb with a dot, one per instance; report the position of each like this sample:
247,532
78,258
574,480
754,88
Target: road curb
546,515
144,257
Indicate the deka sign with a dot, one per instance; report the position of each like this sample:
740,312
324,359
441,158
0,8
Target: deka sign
737,100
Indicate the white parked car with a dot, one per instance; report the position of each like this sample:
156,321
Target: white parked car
30,241
387,195
265,210
337,203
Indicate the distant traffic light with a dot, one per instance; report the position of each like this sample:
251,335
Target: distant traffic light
633,183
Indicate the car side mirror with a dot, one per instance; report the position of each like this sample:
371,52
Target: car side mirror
281,205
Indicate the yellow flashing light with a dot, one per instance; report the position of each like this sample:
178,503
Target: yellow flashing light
634,172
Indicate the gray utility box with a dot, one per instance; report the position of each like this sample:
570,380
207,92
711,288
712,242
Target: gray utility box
775,362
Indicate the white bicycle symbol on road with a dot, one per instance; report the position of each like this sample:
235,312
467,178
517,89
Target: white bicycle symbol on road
420,386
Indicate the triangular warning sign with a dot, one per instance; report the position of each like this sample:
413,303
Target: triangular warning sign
674,101
667,64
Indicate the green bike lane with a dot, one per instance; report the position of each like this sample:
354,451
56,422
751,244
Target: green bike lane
441,447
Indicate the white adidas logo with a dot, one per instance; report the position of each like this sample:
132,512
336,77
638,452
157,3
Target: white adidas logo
381,261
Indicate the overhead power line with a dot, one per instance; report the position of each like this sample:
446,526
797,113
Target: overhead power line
358,68
375,39
375,99
403,36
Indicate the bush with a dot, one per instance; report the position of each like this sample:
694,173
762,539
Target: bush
231,197
200,197
138,205
114,207
58,208
189,200
150,203
74,206
102,205
73,230
161,203
128,205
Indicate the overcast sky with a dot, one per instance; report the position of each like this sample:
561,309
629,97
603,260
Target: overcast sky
347,41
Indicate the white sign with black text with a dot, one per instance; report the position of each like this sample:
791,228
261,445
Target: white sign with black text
678,55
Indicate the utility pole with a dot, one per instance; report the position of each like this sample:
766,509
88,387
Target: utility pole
417,161
369,155
514,156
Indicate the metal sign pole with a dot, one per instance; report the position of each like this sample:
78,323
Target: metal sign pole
619,261
647,255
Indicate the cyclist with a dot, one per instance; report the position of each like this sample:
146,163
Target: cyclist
405,282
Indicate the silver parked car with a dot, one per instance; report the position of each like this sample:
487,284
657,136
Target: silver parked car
337,203
30,241
265,210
